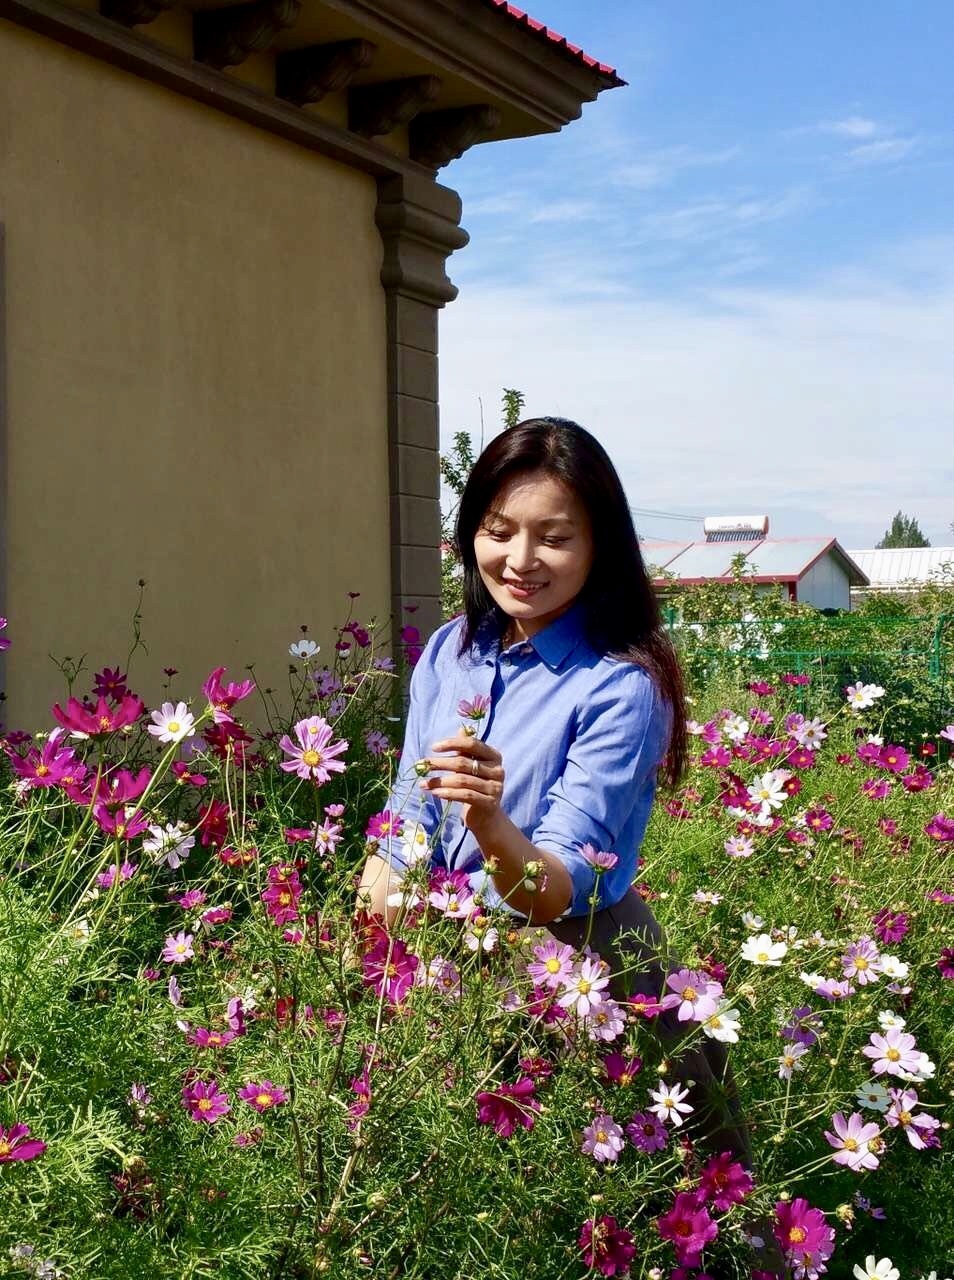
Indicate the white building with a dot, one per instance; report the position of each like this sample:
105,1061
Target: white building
900,569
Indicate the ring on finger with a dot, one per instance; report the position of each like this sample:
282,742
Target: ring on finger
474,768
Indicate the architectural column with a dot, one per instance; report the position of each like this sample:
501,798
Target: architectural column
419,225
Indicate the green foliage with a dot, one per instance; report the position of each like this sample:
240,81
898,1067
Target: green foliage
903,531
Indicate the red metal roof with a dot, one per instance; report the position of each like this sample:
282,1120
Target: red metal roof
555,39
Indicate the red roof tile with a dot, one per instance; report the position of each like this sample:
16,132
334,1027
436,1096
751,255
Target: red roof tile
555,39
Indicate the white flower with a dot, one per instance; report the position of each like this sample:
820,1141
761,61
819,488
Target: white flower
303,649
694,727
894,968
889,1021
751,920
768,791
812,979
735,728
414,844
669,1103
923,1071
859,696
739,847
482,939
707,898
875,739
762,950
883,1270
723,1025
172,723
169,844
874,1096
790,1060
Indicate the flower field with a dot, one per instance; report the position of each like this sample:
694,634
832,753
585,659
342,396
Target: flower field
209,1067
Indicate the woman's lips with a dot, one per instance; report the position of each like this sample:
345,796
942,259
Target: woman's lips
523,591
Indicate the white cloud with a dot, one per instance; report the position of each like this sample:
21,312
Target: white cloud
833,401
883,151
852,127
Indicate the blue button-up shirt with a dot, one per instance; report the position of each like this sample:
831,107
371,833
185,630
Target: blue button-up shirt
581,736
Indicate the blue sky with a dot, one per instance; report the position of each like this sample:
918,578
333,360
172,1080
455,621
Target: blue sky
738,271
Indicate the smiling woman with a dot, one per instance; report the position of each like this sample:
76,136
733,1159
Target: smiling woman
572,702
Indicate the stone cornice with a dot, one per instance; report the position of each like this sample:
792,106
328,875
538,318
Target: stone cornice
93,34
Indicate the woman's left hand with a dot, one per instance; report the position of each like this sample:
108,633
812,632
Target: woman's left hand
469,771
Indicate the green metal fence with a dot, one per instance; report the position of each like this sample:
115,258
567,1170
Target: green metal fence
913,658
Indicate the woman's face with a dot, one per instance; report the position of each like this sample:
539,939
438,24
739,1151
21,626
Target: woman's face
534,550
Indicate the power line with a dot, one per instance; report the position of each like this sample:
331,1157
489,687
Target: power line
665,515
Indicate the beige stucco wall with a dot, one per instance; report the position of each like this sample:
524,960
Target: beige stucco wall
196,376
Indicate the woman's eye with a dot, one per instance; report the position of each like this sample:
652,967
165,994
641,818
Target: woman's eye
555,542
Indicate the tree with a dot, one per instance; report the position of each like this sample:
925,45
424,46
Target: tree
904,532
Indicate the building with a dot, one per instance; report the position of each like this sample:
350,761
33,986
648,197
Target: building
813,570
222,258
898,570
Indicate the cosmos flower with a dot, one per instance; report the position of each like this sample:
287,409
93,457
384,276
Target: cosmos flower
852,1140
669,1104
603,1140
205,1101
315,755
262,1095
171,723
892,1053
508,1106
16,1144
761,950
606,1247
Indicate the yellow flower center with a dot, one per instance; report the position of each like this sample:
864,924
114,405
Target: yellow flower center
173,726
850,1145
263,1099
583,986
42,770
893,1055
762,956
601,1135
204,1104
311,757
552,965
797,1235
904,1117
5,1148
104,723
689,993
861,963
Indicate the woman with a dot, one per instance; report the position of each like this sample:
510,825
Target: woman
576,699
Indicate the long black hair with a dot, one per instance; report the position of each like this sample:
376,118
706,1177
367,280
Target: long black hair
621,611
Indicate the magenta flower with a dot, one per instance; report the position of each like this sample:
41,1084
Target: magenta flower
876,788
920,779
223,697
282,895
178,948
890,926
599,859
805,1238
126,823
384,824
16,1144
46,767
262,1095
606,1246
110,683
205,1101
940,828
791,678
603,1140
508,1105
689,1227
724,1182
621,1070
893,758
853,1141
206,1039
945,963
818,820
106,879
390,968
892,1053
100,720
4,641
315,755
647,1133
760,688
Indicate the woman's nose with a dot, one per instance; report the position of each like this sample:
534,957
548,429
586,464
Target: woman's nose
521,554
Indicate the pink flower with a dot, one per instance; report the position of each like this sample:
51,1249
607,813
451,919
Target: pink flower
805,1238
4,641
315,755
206,1039
792,679
621,1071
263,1095
695,996
603,1140
178,948
282,895
390,968
553,964
474,708
890,926
598,859
106,879
862,961
940,828
508,1105
901,1115
876,788
945,962
223,697
818,820
184,775
689,1227
451,894
46,767
376,742
205,1101
16,1144
606,1246
853,1141
892,1053
920,779
584,987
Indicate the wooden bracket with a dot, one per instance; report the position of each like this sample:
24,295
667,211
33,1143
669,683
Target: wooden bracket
379,108
226,37
306,75
441,136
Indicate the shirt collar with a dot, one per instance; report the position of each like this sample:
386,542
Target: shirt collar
553,644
